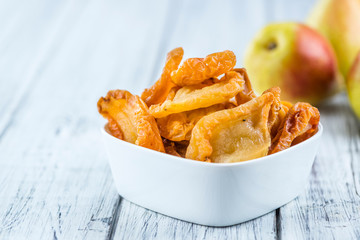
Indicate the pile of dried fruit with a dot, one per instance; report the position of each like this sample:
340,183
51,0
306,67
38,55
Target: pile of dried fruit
206,110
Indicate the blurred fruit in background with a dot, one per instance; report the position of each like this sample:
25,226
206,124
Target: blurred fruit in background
339,22
297,59
353,85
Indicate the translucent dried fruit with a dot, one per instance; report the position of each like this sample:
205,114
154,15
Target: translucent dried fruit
200,96
276,106
196,70
247,93
300,123
113,128
280,117
194,114
178,126
130,120
157,93
233,135
286,104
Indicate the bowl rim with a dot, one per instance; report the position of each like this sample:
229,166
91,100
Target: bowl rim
316,136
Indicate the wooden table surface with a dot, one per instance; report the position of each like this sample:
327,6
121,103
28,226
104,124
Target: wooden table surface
58,57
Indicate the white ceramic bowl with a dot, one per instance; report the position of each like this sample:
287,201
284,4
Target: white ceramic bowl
214,194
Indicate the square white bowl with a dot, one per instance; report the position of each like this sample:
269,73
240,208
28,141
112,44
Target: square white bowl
213,194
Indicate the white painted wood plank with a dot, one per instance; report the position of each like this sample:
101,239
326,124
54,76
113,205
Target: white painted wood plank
27,40
138,223
329,208
54,177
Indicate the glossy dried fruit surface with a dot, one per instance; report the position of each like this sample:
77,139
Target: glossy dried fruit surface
158,92
300,123
284,108
196,70
130,120
233,135
200,96
191,113
276,107
247,93
178,126
113,128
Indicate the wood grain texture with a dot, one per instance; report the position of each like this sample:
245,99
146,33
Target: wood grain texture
138,223
58,57
329,208
26,41
54,178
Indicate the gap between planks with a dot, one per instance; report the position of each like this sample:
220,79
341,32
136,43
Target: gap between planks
115,218
277,224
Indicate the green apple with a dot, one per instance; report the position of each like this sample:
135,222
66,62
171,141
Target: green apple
297,59
339,22
353,85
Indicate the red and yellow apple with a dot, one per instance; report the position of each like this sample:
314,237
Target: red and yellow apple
297,59
339,22
353,86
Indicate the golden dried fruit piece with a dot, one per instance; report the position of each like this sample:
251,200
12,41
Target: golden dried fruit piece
178,126
113,128
233,135
284,108
286,104
157,93
276,106
130,120
199,96
196,70
247,93
301,122
278,111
